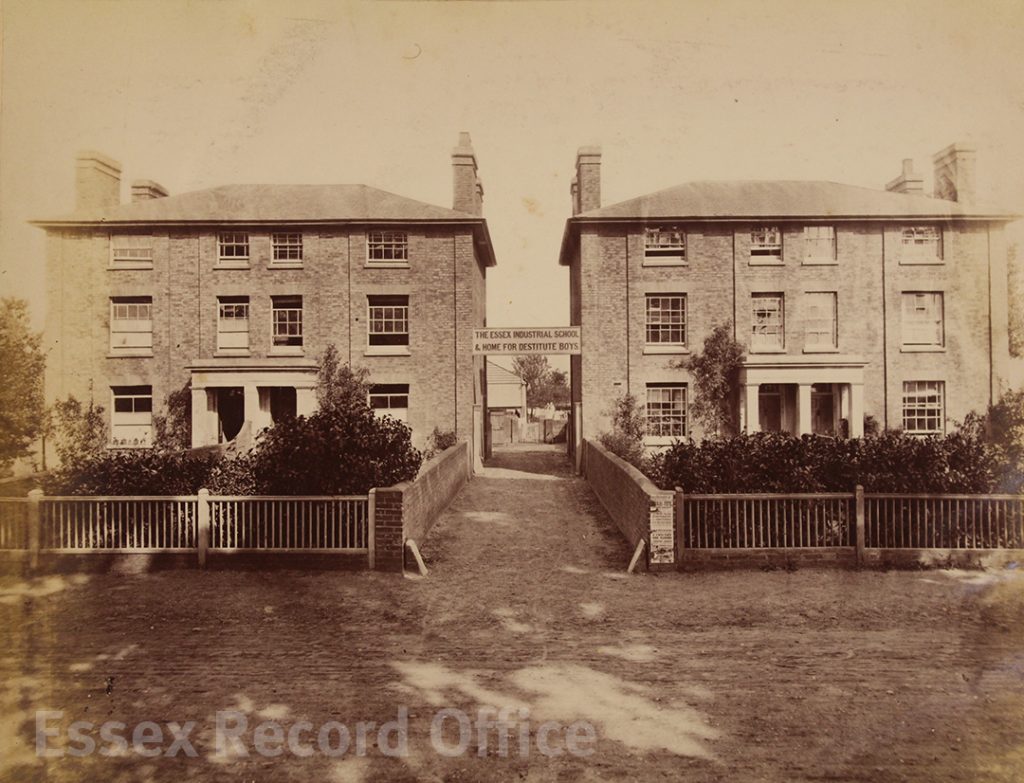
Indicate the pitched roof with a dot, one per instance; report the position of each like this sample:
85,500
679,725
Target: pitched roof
723,201
785,199
269,204
498,374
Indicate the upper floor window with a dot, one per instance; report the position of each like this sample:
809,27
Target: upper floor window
287,321
131,325
923,319
768,320
391,399
664,245
819,244
666,319
820,332
923,404
131,418
387,247
287,248
232,323
388,319
766,244
920,244
666,410
131,251
233,249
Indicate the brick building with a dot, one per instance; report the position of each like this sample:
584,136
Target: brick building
850,302
238,290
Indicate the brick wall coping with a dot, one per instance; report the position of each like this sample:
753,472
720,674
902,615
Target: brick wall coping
645,483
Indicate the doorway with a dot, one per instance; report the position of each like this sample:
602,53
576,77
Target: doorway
823,409
230,412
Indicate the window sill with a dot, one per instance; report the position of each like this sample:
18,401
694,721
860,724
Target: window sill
661,440
766,262
665,349
132,265
387,350
821,350
820,262
767,350
224,352
922,262
922,349
284,265
134,446
387,265
129,354
677,261
286,350
229,265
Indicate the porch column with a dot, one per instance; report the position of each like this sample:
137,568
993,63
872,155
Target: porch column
252,405
803,409
305,401
856,410
751,408
201,419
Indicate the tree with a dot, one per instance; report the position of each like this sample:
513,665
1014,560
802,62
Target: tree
339,386
174,429
716,376
22,409
532,370
81,431
553,389
626,440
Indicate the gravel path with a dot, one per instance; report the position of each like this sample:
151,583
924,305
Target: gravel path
736,676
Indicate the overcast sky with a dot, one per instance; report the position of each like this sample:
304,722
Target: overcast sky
199,94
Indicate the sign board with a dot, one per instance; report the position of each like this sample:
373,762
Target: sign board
528,340
662,527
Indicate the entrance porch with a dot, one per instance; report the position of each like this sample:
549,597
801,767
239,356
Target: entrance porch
802,396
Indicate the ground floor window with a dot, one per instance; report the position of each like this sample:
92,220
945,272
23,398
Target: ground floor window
390,399
131,420
923,407
666,410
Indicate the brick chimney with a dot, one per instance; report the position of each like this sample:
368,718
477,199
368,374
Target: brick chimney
907,182
97,181
586,186
467,190
954,173
146,189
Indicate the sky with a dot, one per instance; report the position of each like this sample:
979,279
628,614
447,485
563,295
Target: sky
196,94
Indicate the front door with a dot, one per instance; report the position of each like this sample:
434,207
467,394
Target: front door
230,412
770,407
822,410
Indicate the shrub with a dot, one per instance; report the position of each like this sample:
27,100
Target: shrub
626,440
716,380
80,431
173,430
439,440
133,472
777,462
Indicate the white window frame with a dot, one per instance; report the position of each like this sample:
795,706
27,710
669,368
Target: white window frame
230,247
385,399
763,333
286,248
665,413
924,403
387,323
820,244
766,245
921,244
232,328
821,331
664,314
664,246
386,247
132,428
131,325
286,332
923,317
131,251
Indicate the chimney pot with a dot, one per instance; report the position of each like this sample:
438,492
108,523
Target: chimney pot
97,181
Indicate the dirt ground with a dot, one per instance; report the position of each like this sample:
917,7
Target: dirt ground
732,676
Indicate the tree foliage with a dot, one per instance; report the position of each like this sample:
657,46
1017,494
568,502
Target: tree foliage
532,369
553,389
80,431
716,377
626,438
173,429
22,362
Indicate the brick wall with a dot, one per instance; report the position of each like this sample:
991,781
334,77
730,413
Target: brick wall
630,498
445,281
410,509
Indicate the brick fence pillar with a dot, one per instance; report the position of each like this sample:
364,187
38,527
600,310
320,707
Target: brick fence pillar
388,533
